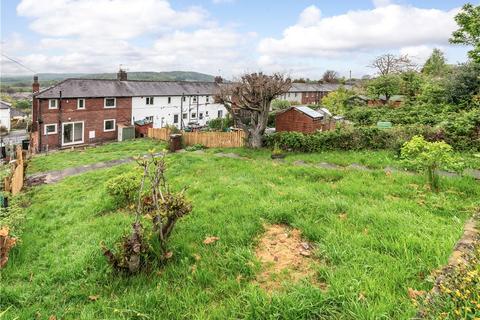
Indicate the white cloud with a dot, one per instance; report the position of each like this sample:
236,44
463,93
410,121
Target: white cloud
385,27
118,19
310,16
419,54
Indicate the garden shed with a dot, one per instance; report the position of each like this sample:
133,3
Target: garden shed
303,119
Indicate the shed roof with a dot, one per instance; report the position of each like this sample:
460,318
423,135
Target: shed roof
91,88
308,111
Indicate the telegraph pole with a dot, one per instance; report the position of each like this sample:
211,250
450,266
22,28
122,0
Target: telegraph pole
181,112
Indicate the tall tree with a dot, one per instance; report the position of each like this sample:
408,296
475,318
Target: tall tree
330,76
385,85
469,32
389,63
248,101
436,64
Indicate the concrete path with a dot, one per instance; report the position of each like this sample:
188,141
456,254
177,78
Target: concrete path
57,175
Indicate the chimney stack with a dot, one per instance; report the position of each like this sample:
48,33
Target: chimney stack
122,75
35,85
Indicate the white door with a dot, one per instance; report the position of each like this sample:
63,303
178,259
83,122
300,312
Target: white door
72,133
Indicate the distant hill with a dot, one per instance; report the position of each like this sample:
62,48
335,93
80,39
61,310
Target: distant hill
51,78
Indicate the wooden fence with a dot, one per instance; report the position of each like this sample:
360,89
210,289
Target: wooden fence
208,139
14,183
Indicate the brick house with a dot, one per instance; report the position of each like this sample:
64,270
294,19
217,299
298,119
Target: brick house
310,93
303,119
88,111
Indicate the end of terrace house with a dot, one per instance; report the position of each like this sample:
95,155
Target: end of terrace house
87,111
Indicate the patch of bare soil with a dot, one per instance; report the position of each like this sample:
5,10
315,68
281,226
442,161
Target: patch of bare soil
285,258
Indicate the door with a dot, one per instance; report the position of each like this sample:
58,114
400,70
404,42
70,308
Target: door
72,133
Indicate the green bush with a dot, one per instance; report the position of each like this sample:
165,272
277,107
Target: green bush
220,124
124,188
360,138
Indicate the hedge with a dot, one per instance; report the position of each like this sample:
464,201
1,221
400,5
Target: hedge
366,138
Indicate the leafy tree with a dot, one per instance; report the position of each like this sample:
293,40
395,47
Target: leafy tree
249,100
411,84
330,76
386,85
432,91
469,32
436,64
429,157
337,101
463,84
280,104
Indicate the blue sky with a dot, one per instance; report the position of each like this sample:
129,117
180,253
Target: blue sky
227,37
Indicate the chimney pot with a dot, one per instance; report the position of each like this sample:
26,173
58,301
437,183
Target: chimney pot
122,75
35,85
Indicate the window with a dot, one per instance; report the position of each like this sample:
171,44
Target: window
184,98
206,113
109,125
52,104
194,115
185,116
220,113
200,115
207,99
80,103
110,102
175,118
50,129
169,100
195,99
72,133
150,118
149,100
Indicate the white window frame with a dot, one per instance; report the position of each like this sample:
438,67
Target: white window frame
114,124
50,103
83,132
219,113
49,133
207,99
194,98
149,101
193,115
110,107
78,104
169,100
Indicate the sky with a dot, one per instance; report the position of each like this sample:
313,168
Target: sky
301,38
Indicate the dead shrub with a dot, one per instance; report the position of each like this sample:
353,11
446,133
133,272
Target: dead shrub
143,248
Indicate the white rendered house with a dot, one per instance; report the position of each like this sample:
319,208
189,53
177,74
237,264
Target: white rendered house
5,113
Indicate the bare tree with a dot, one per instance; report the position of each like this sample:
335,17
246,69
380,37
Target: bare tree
330,76
389,63
248,101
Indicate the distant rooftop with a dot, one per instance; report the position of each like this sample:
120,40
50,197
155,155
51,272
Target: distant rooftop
316,87
5,105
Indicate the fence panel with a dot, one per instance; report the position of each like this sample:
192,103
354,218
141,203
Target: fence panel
14,183
208,139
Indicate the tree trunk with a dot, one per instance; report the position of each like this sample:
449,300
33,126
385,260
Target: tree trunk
254,139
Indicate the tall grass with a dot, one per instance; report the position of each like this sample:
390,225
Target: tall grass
395,234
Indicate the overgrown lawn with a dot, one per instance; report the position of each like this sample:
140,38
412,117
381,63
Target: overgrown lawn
376,235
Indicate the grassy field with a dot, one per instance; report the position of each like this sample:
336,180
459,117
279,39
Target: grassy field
374,235
116,150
